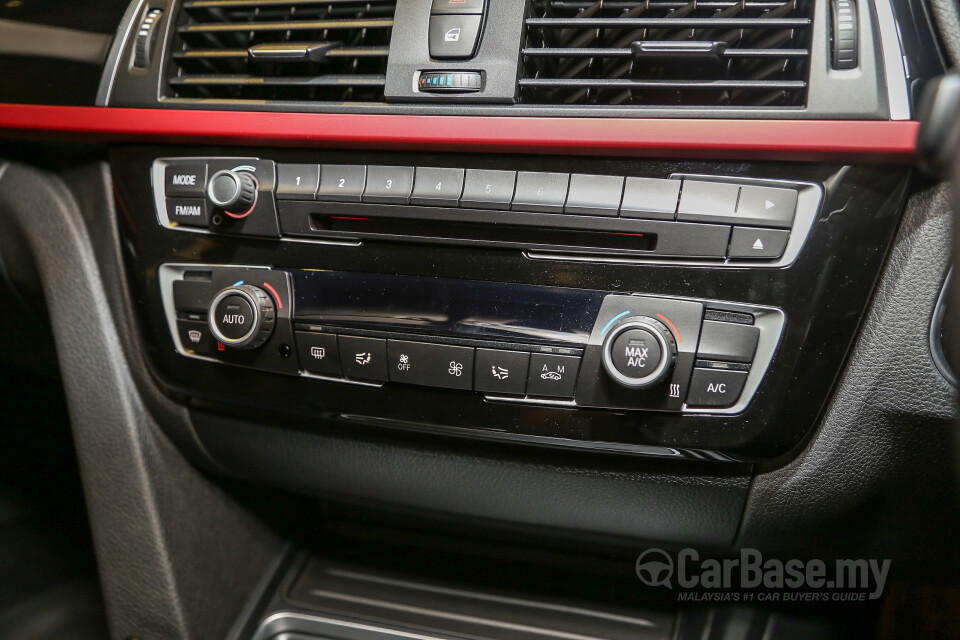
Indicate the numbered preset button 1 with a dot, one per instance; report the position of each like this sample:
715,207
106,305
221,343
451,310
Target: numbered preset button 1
388,185
297,181
342,182
486,189
541,192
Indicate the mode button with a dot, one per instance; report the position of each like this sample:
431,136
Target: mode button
187,179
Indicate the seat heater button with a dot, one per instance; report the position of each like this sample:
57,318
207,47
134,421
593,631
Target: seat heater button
715,387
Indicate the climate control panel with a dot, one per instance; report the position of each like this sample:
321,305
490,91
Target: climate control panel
512,343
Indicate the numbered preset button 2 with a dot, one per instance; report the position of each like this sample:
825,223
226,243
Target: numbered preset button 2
342,182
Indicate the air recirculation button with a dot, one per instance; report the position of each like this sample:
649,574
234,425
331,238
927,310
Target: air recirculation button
639,353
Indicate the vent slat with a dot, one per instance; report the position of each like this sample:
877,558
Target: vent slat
318,25
599,52
274,50
718,53
344,52
667,23
605,83
288,81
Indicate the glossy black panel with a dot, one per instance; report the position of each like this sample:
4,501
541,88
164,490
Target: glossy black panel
462,308
824,294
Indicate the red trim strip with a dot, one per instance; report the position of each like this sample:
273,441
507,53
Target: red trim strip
805,140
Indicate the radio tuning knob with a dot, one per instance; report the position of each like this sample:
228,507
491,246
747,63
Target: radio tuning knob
233,192
242,317
639,353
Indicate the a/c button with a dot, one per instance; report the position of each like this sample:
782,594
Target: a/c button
715,387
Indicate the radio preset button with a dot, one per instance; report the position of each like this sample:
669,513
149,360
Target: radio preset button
187,179
438,187
702,201
363,358
388,185
552,375
500,371
650,198
488,189
297,181
541,192
318,353
342,182
594,195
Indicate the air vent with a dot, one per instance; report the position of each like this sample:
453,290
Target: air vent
659,52
332,51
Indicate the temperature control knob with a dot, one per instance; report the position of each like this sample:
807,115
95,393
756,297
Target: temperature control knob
242,317
639,353
233,192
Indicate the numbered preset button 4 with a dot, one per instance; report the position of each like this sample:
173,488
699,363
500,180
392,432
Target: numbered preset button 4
438,187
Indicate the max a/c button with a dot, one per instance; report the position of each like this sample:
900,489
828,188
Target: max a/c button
715,387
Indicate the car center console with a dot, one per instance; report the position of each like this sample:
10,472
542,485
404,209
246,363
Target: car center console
658,308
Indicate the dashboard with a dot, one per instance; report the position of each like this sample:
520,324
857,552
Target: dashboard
349,294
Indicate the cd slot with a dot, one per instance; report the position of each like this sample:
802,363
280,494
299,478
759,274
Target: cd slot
515,229
456,231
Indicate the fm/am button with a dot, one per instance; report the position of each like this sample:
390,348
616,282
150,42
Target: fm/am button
188,212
